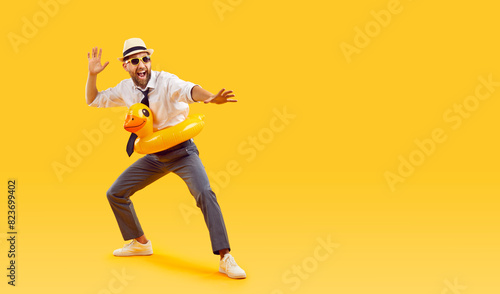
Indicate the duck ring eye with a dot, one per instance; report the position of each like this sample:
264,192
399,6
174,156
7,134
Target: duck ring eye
145,112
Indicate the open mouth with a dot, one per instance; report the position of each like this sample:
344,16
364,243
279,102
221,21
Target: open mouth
142,74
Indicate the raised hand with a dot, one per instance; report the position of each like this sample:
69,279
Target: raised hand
95,65
221,97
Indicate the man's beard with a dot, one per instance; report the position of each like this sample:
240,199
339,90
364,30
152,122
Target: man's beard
142,83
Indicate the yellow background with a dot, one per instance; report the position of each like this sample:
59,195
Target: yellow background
320,176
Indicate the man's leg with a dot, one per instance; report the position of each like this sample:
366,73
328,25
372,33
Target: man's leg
192,171
189,167
137,176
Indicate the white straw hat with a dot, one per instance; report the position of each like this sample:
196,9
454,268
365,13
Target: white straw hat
133,46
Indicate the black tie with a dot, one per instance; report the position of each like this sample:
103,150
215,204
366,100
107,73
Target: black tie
131,140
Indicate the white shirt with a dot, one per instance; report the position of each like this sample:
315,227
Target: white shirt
168,97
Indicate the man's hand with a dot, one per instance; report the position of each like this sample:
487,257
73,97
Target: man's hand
221,97
95,66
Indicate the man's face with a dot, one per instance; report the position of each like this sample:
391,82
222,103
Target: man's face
141,72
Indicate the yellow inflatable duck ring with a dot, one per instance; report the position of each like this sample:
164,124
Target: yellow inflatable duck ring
139,121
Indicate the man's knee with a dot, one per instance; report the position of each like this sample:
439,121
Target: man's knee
204,195
114,194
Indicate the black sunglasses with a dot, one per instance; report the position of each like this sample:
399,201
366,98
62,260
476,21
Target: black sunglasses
135,61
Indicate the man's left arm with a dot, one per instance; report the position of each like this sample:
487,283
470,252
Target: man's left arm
199,94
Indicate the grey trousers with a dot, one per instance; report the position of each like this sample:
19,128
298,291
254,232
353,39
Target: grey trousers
182,160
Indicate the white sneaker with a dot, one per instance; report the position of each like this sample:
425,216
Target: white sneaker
229,267
134,248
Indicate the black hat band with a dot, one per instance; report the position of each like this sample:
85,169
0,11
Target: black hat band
133,49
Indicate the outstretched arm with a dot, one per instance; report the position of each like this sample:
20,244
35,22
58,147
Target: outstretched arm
95,67
200,94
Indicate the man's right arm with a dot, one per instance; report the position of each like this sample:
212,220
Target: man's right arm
95,68
91,89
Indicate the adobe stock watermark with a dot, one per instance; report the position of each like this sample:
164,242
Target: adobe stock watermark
293,277
74,154
371,29
117,283
32,24
224,6
454,117
249,150
452,288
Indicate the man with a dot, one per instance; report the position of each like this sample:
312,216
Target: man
168,97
